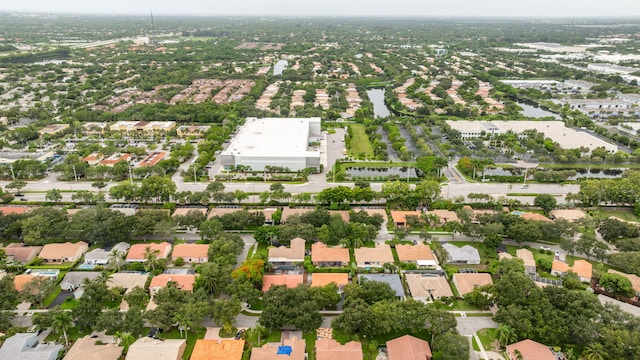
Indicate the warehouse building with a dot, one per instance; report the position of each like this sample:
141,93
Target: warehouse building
275,142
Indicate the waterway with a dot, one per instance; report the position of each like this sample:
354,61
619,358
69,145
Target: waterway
376,96
279,67
537,112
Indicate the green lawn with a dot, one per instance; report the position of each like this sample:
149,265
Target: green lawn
191,339
625,214
310,341
460,305
262,249
360,143
588,166
49,299
487,338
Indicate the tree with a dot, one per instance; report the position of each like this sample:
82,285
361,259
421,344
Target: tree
225,312
124,338
137,298
36,290
545,201
506,335
209,229
151,257
450,346
16,184
99,185
594,351
10,295
53,195
62,321
617,284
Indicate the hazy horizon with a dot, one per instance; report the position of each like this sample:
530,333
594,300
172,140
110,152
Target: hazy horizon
336,8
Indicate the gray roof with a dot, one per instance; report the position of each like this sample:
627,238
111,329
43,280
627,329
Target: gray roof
77,277
25,346
392,279
102,254
459,254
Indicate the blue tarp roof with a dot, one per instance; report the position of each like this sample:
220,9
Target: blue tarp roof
284,350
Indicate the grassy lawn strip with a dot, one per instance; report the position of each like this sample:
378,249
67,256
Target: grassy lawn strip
360,143
589,166
625,214
49,299
487,338
310,344
191,339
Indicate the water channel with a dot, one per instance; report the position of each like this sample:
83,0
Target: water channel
376,96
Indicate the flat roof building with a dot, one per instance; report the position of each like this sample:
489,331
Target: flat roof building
279,142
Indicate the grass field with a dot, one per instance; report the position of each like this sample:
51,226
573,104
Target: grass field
360,143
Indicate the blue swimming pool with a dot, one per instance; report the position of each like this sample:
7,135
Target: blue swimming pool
86,267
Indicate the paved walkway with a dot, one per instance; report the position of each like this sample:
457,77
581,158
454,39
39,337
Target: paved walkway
482,352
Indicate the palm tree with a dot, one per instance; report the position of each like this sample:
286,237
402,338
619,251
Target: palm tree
151,257
61,322
184,323
124,338
594,351
518,355
103,277
506,335
115,257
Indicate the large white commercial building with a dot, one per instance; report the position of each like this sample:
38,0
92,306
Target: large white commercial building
566,137
281,142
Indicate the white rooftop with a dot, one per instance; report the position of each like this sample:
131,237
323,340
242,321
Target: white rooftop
274,137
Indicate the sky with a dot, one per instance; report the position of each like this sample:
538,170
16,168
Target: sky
422,8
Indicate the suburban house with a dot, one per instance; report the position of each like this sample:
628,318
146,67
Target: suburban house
427,287
534,217
420,255
191,253
373,257
466,283
26,346
288,349
325,256
635,280
529,262
408,348
399,218
182,282
392,279
183,211
329,349
147,348
75,279
571,215
137,252
322,279
19,281
15,209
127,281
462,255
19,252
287,212
60,253
217,350
530,349
582,268
288,256
289,280
86,349
444,216
102,257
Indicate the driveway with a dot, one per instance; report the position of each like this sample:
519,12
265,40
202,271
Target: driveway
470,325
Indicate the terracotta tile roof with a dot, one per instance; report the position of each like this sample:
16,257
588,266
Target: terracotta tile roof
198,251
526,256
269,351
19,281
136,251
329,349
560,266
218,350
535,217
186,210
293,253
289,280
380,254
444,215
67,250
222,211
370,212
288,212
466,283
22,253
322,279
414,252
583,268
530,350
401,216
15,209
320,252
86,349
344,214
418,285
408,348
184,282
567,214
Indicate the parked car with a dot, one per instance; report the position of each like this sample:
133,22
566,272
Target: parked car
545,248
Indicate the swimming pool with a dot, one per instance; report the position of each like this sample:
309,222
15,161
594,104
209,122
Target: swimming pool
86,267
